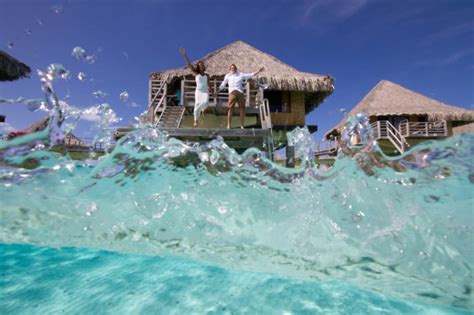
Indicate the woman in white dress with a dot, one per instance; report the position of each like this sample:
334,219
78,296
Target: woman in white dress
202,88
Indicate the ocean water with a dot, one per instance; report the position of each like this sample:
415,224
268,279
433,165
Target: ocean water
41,280
189,226
161,226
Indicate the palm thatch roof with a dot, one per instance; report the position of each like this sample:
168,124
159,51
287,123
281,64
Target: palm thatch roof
11,69
390,99
41,124
277,74
38,125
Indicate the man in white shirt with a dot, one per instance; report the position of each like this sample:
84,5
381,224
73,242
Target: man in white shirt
234,79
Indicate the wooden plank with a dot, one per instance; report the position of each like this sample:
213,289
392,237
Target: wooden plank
214,132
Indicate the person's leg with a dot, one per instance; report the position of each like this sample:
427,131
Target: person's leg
202,108
201,121
196,116
230,108
241,101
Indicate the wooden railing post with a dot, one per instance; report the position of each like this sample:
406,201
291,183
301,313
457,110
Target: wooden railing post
215,92
165,91
182,92
149,93
247,90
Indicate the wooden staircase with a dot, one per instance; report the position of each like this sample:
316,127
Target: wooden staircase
385,130
171,117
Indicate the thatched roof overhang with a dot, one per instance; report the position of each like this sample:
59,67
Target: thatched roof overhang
11,69
38,125
390,99
278,75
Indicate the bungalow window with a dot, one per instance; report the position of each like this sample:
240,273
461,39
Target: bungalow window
279,101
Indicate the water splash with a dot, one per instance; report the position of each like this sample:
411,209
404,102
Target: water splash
400,225
57,9
124,96
81,76
80,54
99,94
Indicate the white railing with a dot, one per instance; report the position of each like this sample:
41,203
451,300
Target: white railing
383,129
253,96
157,91
424,129
265,117
327,148
161,106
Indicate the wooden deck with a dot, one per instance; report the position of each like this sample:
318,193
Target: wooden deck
239,139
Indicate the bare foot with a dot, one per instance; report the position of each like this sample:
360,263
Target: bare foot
228,127
195,124
241,127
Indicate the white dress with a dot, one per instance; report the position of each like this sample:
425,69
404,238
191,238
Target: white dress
201,96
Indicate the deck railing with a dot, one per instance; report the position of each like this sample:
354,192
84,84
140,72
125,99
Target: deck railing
424,129
253,96
327,148
157,95
383,129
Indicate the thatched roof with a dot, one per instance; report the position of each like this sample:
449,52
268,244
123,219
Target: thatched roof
390,99
12,69
277,74
38,125
43,123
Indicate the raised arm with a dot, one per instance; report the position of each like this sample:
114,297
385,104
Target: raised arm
183,52
259,70
247,76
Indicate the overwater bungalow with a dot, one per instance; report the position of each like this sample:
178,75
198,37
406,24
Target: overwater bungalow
401,118
270,113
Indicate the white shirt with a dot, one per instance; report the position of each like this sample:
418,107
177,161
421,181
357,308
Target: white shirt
235,81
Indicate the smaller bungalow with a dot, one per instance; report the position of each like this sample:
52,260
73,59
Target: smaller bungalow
401,117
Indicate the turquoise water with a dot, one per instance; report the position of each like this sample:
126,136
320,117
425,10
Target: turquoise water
40,280
203,229
161,226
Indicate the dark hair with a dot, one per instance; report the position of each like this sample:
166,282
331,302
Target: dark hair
203,65
233,64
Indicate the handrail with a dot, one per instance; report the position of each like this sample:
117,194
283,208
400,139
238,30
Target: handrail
395,137
328,148
158,107
383,129
265,116
159,89
423,129
189,86
161,101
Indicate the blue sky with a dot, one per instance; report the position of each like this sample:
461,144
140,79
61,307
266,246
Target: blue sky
424,45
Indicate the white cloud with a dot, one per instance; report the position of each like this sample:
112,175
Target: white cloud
448,33
330,11
455,57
